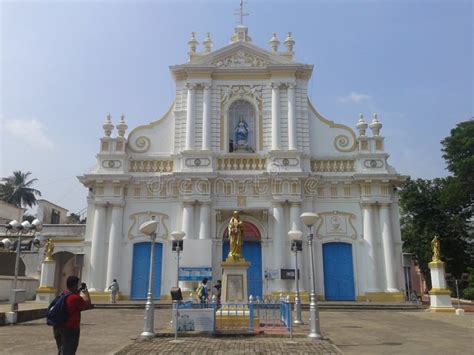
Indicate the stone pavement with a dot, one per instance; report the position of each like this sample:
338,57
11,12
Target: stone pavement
106,331
230,346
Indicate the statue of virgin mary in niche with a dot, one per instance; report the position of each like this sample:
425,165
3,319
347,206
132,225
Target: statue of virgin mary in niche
242,135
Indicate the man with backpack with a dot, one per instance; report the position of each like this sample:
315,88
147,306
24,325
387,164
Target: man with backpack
202,291
64,314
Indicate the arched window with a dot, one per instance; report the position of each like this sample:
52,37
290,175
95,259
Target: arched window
241,127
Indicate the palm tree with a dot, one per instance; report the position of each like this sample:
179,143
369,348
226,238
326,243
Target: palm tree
16,190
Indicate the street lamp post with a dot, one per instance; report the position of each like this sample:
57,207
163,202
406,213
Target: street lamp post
178,246
149,228
20,229
309,219
296,246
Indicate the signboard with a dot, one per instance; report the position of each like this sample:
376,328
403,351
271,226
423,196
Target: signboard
289,274
195,273
195,320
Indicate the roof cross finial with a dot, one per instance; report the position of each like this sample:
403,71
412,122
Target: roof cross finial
241,13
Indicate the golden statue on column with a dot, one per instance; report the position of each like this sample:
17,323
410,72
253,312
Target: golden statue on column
49,250
435,248
235,231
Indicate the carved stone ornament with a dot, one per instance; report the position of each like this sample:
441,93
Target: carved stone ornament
140,217
240,59
336,223
373,163
254,91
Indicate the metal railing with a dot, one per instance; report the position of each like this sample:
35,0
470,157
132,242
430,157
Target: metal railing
267,315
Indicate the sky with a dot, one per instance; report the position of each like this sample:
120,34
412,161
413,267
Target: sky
65,64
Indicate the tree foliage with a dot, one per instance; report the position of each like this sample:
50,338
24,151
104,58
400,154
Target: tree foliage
16,189
443,206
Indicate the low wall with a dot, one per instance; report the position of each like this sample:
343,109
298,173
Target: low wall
26,283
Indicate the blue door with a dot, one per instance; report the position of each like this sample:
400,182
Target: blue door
338,272
252,252
141,270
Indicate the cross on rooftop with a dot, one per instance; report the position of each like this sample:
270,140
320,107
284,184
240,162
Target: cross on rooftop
241,12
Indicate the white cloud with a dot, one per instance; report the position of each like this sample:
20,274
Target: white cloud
29,131
353,98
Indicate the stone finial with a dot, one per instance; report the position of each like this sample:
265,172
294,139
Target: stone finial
375,125
192,43
207,43
108,126
361,125
122,126
274,42
289,42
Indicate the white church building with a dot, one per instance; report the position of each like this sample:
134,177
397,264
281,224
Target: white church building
242,135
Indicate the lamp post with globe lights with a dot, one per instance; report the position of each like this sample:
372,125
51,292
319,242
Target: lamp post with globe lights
149,228
309,219
178,247
296,246
26,229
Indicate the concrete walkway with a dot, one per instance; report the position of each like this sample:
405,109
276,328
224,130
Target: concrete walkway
106,331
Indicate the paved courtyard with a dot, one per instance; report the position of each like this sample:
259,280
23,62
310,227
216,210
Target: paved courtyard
108,331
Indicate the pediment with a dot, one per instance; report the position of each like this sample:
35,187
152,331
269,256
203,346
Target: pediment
241,55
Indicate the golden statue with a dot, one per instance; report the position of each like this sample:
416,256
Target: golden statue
236,234
435,247
48,250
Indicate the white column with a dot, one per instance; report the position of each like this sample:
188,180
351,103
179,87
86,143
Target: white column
96,270
188,220
114,259
292,145
295,212
279,238
190,114
206,118
188,228
369,236
388,249
275,116
205,221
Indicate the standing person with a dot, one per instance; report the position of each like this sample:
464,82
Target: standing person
77,300
218,287
114,290
203,293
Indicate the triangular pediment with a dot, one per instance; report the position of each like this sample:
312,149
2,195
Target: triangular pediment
241,55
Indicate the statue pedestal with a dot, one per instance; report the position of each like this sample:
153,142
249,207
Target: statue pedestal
46,292
234,281
440,296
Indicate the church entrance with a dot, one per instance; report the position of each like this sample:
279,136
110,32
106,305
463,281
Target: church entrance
252,252
338,272
141,270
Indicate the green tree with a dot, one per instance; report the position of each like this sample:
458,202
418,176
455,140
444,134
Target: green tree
458,151
16,189
424,215
443,207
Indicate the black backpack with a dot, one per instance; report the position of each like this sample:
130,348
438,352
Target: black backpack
57,314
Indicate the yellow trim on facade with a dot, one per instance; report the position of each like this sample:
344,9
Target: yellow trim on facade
440,291
46,290
105,296
396,297
443,310
67,241
436,265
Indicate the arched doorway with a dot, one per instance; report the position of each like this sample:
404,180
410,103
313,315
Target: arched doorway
252,252
141,270
338,272
65,267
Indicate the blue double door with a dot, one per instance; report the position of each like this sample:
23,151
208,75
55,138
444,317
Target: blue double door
338,272
252,252
141,270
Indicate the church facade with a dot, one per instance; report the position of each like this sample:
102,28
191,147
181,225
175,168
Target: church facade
242,135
